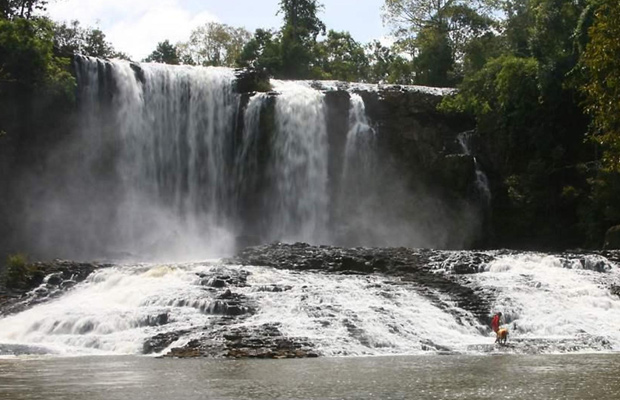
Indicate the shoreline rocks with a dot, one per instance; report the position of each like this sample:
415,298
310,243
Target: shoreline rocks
44,281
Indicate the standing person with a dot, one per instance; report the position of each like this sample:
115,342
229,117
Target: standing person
495,322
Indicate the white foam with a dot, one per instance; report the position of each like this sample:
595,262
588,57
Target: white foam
547,297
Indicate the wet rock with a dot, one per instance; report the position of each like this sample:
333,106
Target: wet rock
217,283
54,279
251,80
273,288
265,341
67,284
159,342
47,280
156,320
412,265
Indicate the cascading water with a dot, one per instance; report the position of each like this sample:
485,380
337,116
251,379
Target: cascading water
482,182
552,304
299,165
174,163
161,139
172,176
357,194
360,154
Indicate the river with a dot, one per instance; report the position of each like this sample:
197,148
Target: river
584,376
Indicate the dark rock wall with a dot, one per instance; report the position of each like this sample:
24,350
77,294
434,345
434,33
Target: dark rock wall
416,145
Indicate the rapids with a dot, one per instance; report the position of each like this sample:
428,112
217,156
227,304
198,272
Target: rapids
551,303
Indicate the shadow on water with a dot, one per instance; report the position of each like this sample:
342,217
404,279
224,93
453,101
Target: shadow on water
420,377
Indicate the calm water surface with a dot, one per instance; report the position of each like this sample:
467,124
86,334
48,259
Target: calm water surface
421,377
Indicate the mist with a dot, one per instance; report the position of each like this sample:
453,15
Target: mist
169,163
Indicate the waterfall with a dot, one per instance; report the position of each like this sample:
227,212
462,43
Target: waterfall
162,138
482,182
551,304
358,191
300,203
359,159
183,178
171,162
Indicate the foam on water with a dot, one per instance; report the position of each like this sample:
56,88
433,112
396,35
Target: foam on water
551,297
357,315
114,311
547,301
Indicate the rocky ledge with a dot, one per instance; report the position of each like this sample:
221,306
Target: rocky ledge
419,266
42,281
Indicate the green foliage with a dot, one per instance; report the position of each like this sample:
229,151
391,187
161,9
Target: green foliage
434,61
25,50
19,274
298,37
262,52
301,16
386,65
341,57
27,58
165,53
71,39
602,88
504,98
10,9
293,52
438,33
16,271
213,44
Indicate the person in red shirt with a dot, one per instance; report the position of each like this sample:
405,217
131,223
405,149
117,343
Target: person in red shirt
495,322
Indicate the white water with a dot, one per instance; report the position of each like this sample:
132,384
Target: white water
300,203
357,315
148,171
359,186
482,181
543,297
360,154
159,168
108,313
544,302
247,163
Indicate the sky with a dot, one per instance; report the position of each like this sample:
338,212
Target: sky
136,26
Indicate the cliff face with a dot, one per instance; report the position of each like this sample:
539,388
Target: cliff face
396,171
33,124
419,174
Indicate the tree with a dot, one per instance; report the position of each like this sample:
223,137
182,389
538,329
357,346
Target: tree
387,65
213,44
298,37
434,61
26,54
71,38
436,32
165,53
262,52
602,89
10,9
342,58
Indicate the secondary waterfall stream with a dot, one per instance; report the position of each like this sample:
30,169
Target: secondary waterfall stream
167,169
177,163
